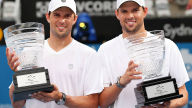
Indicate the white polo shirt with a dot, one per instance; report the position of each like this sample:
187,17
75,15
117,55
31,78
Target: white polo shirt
114,61
71,70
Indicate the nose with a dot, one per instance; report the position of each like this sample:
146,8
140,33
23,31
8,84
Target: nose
62,21
129,15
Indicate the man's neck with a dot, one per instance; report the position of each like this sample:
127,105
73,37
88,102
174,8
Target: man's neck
59,43
126,34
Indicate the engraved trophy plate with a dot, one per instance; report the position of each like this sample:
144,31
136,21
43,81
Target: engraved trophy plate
148,51
27,40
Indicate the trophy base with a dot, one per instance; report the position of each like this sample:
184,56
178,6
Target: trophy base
26,93
156,90
29,81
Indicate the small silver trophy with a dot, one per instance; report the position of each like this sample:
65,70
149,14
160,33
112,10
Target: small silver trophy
147,49
27,40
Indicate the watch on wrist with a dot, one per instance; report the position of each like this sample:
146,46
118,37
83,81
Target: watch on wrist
62,100
118,83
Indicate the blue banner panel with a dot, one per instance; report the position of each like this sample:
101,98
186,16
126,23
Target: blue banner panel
186,51
5,79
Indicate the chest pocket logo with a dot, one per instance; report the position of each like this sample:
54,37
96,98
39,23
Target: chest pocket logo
70,66
63,0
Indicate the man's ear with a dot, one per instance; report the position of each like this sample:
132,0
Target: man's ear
117,14
47,15
75,18
145,11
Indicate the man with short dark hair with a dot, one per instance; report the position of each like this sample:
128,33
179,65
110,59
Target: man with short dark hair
69,64
120,75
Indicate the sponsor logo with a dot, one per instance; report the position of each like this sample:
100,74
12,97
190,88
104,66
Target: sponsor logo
97,8
180,31
93,8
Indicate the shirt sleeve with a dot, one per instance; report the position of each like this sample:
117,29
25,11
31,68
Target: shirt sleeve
93,77
104,68
177,66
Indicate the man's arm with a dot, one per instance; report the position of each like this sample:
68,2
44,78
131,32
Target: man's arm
110,94
13,64
88,101
17,104
178,103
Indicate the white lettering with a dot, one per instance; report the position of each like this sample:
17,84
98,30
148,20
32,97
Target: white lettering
80,6
107,6
180,31
97,8
89,6
41,8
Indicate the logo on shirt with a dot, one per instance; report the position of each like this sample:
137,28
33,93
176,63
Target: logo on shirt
70,66
63,0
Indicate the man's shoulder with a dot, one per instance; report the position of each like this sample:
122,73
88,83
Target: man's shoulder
169,43
82,47
111,43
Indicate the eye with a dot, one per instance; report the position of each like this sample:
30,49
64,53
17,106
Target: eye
56,15
136,10
67,15
123,11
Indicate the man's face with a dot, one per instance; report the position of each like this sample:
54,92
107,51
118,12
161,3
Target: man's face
131,17
61,21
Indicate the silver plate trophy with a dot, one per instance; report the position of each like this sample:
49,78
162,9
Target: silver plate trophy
27,40
147,49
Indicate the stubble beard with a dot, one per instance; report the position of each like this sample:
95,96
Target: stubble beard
135,30
62,35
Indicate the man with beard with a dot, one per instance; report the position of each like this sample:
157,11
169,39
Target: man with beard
68,62
119,72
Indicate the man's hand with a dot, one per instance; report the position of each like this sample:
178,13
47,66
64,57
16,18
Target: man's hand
130,74
12,59
47,97
162,105
16,104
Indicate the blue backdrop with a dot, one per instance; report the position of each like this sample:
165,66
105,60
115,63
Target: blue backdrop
6,73
5,79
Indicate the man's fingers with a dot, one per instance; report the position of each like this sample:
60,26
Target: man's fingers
162,105
16,65
38,96
9,58
135,77
46,99
166,104
43,96
7,52
12,60
55,87
132,66
131,62
131,73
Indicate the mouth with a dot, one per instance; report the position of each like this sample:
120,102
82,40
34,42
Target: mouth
130,23
60,28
